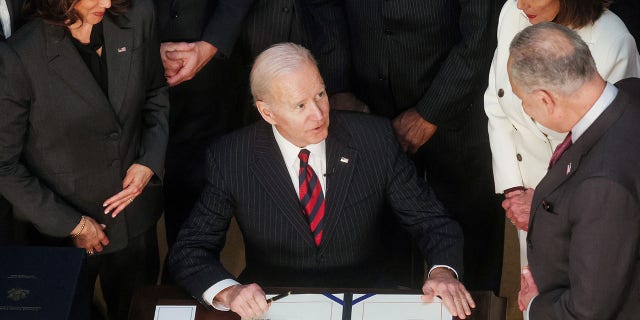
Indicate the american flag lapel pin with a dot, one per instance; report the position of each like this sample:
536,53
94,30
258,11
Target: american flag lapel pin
569,168
344,160
122,49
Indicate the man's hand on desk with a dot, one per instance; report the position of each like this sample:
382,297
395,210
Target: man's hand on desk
443,283
248,301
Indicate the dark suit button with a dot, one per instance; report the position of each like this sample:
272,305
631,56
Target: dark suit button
388,31
381,77
500,93
529,245
285,9
115,163
519,157
114,136
174,15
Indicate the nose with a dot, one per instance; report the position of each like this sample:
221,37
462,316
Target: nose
105,3
317,112
522,4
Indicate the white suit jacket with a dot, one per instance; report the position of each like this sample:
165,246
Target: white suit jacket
521,148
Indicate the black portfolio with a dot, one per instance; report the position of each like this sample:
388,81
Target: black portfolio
43,283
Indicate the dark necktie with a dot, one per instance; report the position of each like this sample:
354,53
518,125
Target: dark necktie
311,196
560,149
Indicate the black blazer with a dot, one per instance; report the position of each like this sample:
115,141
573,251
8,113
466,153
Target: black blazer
65,146
248,179
584,231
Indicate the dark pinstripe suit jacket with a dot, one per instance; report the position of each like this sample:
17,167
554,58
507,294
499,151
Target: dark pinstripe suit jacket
433,55
247,178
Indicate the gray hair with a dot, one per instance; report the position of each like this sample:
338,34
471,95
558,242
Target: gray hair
550,56
279,59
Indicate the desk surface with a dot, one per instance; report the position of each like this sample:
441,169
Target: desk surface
143,305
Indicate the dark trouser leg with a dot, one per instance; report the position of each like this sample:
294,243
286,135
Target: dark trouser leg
122,272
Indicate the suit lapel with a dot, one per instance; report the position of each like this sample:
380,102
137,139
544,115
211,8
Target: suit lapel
66,62
118,40
270,170
570,160
341,163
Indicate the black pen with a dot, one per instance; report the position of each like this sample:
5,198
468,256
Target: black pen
278,297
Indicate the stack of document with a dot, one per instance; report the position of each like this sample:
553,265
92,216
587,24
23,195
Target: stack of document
355,307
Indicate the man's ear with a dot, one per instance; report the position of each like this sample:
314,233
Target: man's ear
265,112
547,100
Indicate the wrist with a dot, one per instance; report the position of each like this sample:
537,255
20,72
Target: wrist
79,228
513,190
442,271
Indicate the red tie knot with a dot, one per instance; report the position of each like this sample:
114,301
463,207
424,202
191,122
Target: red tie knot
304,155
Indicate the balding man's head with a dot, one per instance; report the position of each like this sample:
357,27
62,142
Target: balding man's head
551,57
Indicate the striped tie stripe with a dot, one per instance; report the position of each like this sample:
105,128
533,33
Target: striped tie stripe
311,196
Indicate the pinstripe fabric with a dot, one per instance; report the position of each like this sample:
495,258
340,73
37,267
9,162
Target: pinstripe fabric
310,23
433,55
248,179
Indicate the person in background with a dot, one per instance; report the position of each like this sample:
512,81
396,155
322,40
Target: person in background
197,44
83,134
520,146
423,64
308,190
584,231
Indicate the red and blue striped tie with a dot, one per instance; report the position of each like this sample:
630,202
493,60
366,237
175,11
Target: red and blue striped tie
311,196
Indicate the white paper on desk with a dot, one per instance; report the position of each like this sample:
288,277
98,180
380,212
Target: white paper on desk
305,307
175,313
397,307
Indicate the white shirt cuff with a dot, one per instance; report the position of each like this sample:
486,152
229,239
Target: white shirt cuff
213,291
442,266
526,312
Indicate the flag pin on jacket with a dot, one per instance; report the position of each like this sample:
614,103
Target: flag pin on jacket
568,168
122,49
344,160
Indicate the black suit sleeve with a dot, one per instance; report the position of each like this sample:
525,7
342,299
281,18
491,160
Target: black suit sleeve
155,110
194,260
419,211
30,196
466,65
224,25
603,252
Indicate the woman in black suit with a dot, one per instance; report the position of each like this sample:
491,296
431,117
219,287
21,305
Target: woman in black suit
83,134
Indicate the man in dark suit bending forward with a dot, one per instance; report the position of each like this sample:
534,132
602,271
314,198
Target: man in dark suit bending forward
584,229
308,191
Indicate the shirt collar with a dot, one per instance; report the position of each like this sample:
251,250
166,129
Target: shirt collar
608,95
290,151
